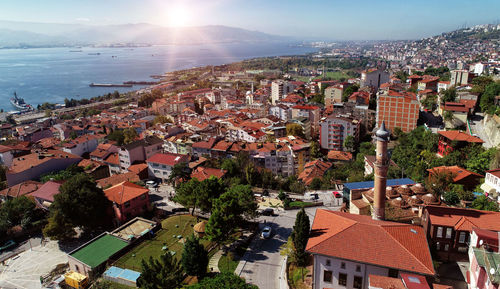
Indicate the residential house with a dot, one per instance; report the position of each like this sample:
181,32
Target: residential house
460,176
203,173
44,196
374,78
34,165
484,259
460,77
312,112
457,138
160,165
102,151
96,169
279,89
139,151
314,169
21,189
129,201
348,248
339,156
117,179
334,131
491,185
83,144
449,229
203,147
6,155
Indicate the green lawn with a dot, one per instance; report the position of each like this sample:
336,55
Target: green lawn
171,228
229,261
298,204
336,75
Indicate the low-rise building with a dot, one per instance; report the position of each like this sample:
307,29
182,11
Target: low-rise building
491,184
129,201
160,165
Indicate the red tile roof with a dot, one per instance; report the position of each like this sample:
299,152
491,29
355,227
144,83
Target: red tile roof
137,168
339,156
457,172
312,170
376,281
25,162
202,173
21,189
495,172
456,135
362,239
124,192
113,159
168,159
47,191
463,219
116,179
306,107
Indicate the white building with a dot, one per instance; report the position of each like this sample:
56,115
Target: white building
160,165
279,89
491,184
83,144
334,130
348,248
374,78
6,155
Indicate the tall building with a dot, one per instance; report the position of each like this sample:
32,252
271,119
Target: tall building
335,129
381,168
374,78
280,88
460,77
398,109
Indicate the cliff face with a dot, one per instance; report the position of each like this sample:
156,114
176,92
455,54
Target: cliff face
492,128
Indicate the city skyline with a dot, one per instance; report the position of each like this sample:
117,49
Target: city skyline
329,20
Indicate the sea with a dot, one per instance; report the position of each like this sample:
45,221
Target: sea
52,74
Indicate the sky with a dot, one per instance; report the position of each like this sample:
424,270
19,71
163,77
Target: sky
309,19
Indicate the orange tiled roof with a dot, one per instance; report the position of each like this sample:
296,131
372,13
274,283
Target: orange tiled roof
25,162
339,156
21,189
456,135
457,172
362,239
116,179
384,282
463,219
124,192
202,173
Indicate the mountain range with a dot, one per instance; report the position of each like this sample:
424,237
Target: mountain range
29,34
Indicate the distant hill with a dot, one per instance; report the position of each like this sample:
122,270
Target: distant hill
26,34
482,32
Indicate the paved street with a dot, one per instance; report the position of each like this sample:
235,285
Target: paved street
262,263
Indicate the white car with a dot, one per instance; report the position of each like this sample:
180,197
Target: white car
266,232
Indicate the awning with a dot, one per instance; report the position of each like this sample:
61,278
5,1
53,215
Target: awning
489,189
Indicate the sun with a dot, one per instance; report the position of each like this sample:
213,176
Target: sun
178,16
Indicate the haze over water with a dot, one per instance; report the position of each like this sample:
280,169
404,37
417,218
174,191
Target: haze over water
52,74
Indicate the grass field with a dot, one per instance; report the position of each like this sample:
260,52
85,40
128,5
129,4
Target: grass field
336,75
298,204
171,228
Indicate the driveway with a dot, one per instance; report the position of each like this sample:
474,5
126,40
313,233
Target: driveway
262,262
476,126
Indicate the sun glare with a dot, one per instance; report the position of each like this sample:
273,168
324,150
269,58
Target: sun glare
178,16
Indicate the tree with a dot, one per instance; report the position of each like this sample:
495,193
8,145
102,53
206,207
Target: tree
483,203
300,235
17,211
186,194
480,160
232,168
161,273
295,129
315,184
229,211
451,198
349,91
349,143
80,203
449,95
439,182
223,281
59,227
117,136
162,119
180,171
315,150
251,174
487,99
129,135
194,257
448,115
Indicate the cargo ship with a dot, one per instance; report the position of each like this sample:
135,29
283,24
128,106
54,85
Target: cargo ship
19,103
110,85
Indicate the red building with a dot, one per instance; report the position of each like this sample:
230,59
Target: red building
398,109
460,176
129,201
460,139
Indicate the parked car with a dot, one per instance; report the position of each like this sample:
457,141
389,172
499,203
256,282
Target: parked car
7,245
266,232
268,212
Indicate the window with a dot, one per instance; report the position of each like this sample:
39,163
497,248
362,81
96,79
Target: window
461,238
438,246
327,276
342,279
358,268
358,282
446,247
328,262
342,265
77,269
393,273
448,233
439,233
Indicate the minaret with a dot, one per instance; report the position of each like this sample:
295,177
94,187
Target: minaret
381,167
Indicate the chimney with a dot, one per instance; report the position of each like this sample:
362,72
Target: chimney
381,167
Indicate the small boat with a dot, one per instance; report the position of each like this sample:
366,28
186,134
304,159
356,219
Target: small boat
19,103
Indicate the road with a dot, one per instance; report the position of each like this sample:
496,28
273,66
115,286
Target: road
262,262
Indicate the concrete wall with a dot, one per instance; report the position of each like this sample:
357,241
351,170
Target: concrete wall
492,128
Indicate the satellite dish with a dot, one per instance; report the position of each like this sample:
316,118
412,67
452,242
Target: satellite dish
480,242
492,271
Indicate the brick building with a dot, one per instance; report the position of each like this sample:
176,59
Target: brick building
398,109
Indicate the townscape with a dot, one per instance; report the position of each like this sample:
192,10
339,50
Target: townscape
362,165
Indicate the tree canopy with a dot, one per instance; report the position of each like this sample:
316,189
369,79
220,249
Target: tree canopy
300,236
194,257
223,281
160,273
